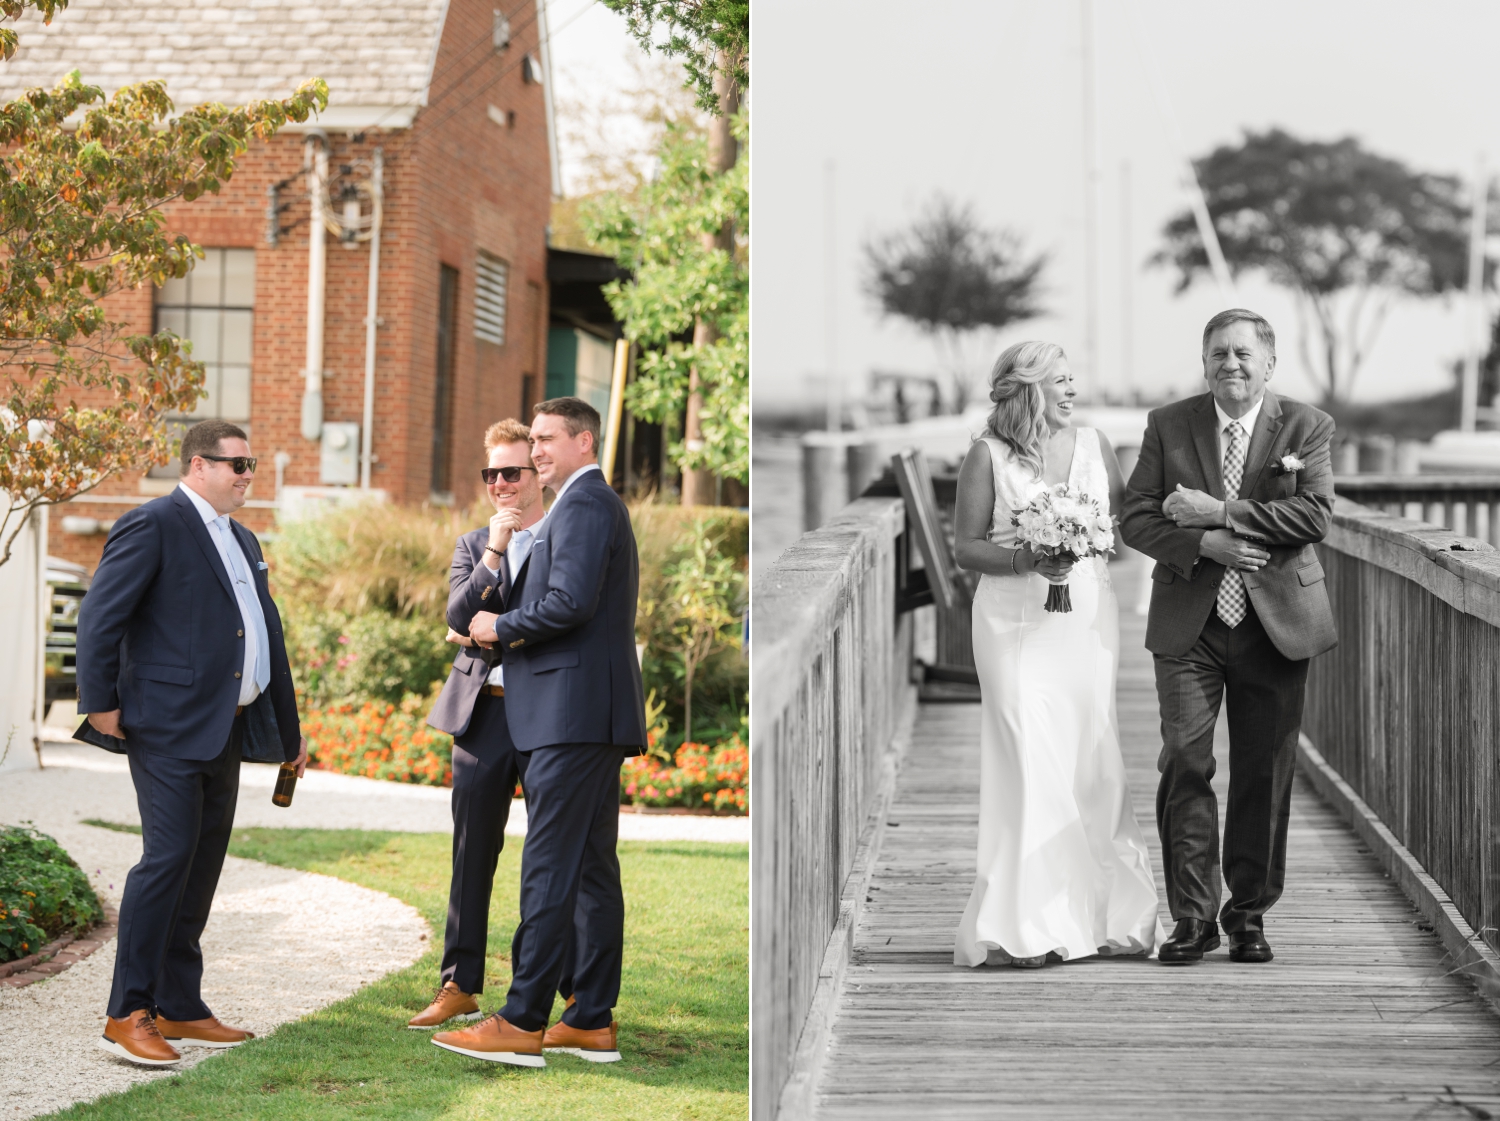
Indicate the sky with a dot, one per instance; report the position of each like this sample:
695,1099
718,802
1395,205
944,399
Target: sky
865,109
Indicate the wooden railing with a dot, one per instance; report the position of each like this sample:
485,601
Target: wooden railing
1468,504
830,663
1407,707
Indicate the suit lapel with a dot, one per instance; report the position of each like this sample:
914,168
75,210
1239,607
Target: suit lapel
199,533
1262,440
1205,427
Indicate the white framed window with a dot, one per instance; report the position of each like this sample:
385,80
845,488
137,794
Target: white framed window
213,307
491,286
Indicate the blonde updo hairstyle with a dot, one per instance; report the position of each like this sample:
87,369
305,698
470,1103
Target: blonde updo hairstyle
1018,419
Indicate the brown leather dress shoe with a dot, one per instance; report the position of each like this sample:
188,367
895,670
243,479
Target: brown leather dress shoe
597,1045
495,1040
450,1003
135,1039
201,1033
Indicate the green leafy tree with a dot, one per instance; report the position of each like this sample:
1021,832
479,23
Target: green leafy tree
711,37
953,279
81,397
683,278
1345,230
702,587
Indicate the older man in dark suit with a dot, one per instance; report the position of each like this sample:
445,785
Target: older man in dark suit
181,657
488,565
1231,491
575,708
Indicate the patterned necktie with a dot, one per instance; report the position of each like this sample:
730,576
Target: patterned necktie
1231,601
249,601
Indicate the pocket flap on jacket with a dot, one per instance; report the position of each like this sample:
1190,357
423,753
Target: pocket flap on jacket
1162,574
464,663
1310,573
556,659
172,675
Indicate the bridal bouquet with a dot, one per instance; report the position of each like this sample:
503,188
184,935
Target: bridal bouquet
1063,519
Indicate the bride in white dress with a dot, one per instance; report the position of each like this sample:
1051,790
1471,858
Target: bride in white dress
1062,865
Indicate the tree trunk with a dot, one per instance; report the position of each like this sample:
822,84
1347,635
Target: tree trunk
699,486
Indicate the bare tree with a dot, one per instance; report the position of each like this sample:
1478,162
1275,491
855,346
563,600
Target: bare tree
952,278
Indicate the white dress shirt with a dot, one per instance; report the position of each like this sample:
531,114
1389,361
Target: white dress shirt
1247,422
515,556
244,593
585,469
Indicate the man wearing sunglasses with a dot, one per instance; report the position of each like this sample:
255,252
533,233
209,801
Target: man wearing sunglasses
488,565
182,664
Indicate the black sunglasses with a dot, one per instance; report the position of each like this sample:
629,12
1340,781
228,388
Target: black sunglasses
509,474
240,464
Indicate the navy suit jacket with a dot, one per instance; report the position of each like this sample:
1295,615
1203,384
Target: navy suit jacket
567,632
471,588
160,637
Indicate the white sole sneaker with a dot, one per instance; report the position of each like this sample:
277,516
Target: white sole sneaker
468,1016
588,1056
120,1052
514,1058
217,1045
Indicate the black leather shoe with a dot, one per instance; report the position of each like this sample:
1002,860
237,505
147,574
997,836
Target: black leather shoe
1191,939
1249,945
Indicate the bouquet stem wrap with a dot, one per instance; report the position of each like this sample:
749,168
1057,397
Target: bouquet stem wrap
1058,598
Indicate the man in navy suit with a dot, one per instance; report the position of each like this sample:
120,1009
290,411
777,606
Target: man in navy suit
488,564
181,656
574,707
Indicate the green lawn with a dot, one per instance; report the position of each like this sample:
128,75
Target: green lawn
683,1012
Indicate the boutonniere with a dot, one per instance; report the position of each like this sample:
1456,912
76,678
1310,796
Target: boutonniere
1289,465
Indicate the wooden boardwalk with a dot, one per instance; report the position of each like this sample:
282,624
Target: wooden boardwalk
1356,1018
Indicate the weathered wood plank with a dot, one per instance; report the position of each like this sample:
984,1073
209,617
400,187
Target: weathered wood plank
1356,1017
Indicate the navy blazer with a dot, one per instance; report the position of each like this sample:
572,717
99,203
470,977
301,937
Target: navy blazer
160,637
472,588
567,633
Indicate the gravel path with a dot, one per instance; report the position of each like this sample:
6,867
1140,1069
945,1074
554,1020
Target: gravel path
280,944
88,783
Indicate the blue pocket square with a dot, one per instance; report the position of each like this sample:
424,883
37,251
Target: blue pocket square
262,565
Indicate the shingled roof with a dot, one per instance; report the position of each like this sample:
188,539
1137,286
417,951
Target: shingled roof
376,57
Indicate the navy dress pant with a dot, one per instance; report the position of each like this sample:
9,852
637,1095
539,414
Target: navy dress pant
486,767
187,814
572,929
1264,692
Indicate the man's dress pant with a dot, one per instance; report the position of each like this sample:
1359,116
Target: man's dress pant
187,814
570,885
486,767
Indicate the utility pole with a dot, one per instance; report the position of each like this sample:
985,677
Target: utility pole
698,485
834,389
1091,194
1469,401
1127,287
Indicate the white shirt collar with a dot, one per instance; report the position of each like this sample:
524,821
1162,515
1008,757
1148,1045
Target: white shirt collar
562,490
1247,422
205,511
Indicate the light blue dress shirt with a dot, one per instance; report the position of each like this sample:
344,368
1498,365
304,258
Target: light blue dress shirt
256,674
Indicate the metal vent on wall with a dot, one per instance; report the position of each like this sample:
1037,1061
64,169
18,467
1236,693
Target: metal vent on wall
489,299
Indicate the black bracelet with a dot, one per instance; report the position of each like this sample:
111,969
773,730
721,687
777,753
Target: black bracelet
492,549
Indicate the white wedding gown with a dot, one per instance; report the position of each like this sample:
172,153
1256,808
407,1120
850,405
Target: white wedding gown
1062,864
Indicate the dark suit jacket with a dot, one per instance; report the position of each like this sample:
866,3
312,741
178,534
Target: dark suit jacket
567,634
1286,513
471,588
160,637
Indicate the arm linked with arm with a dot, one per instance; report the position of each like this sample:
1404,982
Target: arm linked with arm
1144,527
1302,518
579,543
467,584
132,556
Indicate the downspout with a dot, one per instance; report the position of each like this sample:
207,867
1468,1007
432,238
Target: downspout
545,46
366,433
44,622
315,163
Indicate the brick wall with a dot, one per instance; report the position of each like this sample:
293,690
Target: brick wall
456,183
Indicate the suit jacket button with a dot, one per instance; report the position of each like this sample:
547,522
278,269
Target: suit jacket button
516,643
484,595
236,676
239,634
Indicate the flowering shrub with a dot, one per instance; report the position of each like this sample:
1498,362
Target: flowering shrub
700,777
43,893
381,740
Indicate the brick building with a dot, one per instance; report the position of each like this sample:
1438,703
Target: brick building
449,97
